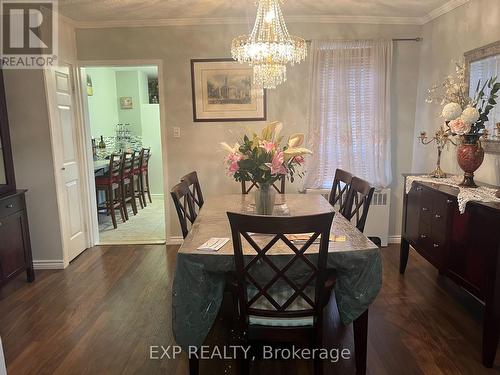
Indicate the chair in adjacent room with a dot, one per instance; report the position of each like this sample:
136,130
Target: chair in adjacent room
278,185
144,176
184,206
194,188
340,188
127,183
136,178
275,306
110,184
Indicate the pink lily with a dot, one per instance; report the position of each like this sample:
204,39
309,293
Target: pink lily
267,146
276,164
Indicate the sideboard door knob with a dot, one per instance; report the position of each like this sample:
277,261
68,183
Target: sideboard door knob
425,209
9,205
449,201
438,216
435,245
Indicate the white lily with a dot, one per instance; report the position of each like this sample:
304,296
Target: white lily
230,149
296,151
295,140
272,131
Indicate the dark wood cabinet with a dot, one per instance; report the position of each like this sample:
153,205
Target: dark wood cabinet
464,247
15,247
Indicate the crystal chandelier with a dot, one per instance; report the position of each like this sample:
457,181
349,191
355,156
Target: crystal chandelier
269,48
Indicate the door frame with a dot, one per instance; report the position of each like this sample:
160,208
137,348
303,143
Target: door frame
85,126
57,157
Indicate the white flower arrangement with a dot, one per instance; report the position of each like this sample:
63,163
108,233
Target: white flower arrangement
464,115
451,111
470,115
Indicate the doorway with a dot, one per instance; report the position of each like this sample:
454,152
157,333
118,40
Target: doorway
121,105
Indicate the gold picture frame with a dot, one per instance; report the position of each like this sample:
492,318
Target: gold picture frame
223,90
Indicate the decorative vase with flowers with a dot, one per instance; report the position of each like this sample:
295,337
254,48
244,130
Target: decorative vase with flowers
465,117
263,160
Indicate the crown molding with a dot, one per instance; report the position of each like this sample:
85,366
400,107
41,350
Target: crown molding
245,21
344,19
443,9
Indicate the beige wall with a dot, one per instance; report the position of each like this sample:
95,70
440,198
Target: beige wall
445,39
32,150
32,153
198,147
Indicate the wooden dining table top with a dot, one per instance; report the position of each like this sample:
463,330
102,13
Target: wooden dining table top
212,221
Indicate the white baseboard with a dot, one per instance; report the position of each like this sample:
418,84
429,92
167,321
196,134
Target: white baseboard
175,240
157,195
48,264
395,239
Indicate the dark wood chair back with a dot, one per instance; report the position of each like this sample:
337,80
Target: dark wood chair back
145,156
358,202
194,188
340,188
127,165
184,206
314,272
115,167
278,185
136,164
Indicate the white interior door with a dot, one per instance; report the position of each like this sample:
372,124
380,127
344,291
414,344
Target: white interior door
67,159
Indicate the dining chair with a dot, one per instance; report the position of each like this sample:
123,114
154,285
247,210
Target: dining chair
110,184
127,183
272,306
194,188
184,206
144,176
136,178
340,188
280,188
358,202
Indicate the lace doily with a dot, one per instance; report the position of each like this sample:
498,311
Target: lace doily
480,194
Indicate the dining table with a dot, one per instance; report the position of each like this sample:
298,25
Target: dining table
200,275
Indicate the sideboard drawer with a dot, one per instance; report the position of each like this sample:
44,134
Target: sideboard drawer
10,205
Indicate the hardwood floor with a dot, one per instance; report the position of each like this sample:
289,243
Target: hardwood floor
101,314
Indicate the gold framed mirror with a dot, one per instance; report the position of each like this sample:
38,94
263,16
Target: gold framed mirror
481,64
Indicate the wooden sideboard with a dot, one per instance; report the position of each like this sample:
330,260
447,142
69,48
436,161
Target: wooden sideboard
15,247
464,247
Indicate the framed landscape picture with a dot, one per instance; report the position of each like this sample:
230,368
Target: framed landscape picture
223,91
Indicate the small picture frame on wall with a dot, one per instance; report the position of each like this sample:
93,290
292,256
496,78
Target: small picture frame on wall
126,102
223,91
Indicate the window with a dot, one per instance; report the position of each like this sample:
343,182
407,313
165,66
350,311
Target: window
349,120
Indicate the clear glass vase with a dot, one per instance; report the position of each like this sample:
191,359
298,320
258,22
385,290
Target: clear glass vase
264,199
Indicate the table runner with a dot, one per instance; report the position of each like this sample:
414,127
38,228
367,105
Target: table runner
465,194
199,280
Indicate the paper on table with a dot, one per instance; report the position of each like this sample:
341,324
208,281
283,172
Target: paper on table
305,237
214,244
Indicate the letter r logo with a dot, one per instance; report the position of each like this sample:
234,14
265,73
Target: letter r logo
27,27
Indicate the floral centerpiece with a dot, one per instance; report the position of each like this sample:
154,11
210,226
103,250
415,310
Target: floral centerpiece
465,117
263,160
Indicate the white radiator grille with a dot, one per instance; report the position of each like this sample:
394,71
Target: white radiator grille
377,223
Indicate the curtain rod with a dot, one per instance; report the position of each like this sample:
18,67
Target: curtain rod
418,39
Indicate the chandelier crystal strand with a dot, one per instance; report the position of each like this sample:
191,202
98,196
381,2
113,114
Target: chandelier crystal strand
269,48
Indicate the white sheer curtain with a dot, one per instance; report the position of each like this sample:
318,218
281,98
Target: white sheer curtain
349,118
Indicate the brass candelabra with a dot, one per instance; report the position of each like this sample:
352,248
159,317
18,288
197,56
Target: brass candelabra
442,137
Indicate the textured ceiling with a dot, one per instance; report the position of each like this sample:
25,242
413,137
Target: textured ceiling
107,10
